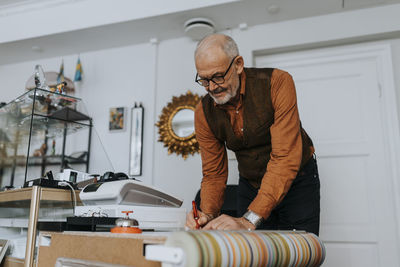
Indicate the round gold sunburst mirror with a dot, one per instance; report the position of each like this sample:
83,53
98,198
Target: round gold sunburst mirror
176,125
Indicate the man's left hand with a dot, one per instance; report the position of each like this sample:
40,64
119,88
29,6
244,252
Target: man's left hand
225,222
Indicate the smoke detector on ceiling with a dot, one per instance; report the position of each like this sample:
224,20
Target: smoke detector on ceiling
197,28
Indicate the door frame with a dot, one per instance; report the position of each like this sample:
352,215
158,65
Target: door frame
382,54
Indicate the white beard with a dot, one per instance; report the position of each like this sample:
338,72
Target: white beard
228,96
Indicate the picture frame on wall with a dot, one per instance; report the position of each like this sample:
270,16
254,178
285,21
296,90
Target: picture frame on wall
136,145
117,119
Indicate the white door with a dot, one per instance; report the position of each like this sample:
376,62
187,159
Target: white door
340,104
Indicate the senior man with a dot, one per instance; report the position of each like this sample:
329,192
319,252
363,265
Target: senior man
253,112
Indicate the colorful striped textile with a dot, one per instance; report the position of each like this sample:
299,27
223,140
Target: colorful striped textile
249,248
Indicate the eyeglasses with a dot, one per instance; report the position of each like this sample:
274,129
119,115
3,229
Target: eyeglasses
217,79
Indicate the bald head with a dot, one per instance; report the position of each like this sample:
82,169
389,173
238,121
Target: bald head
217,42
219,66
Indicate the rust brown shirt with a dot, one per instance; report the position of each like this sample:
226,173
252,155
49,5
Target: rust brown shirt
286,151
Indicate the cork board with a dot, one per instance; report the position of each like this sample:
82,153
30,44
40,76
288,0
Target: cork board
12,262
121,249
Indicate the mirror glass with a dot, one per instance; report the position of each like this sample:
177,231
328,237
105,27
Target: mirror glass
183,122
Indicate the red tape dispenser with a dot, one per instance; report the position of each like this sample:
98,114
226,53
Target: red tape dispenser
126,225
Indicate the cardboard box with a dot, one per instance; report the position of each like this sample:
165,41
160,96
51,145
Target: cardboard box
123,249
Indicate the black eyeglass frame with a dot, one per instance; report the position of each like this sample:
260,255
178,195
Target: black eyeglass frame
197,80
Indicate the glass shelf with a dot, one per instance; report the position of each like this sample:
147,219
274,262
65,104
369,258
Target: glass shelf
41,127
37,161
42,131
33,126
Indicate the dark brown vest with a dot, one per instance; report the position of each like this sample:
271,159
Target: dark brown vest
253,150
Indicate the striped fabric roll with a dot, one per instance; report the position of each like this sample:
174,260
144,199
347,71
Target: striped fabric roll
245,248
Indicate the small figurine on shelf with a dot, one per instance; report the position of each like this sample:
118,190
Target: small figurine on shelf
60,87
53,147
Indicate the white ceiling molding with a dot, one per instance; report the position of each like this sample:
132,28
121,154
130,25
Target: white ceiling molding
9,8
13,3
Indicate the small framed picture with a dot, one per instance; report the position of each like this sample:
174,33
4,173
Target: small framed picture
117,119
136,146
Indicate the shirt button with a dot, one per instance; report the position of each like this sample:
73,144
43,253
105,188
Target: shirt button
241,129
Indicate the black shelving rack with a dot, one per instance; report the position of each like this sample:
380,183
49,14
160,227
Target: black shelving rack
40,115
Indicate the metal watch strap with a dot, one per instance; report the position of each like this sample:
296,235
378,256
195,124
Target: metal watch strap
253,218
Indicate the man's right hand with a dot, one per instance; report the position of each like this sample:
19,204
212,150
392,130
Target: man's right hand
203,219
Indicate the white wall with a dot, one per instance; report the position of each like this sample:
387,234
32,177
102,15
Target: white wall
120,77
153,73
395,44
117,77
175,76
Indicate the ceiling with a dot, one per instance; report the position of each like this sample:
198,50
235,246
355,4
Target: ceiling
162,26
8,3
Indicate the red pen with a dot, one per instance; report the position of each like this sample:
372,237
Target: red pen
195,214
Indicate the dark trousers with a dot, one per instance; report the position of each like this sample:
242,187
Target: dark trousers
300,207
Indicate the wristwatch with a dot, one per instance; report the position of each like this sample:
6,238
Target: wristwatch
253,218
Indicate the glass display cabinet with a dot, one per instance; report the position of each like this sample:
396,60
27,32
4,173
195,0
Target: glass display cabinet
42,131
